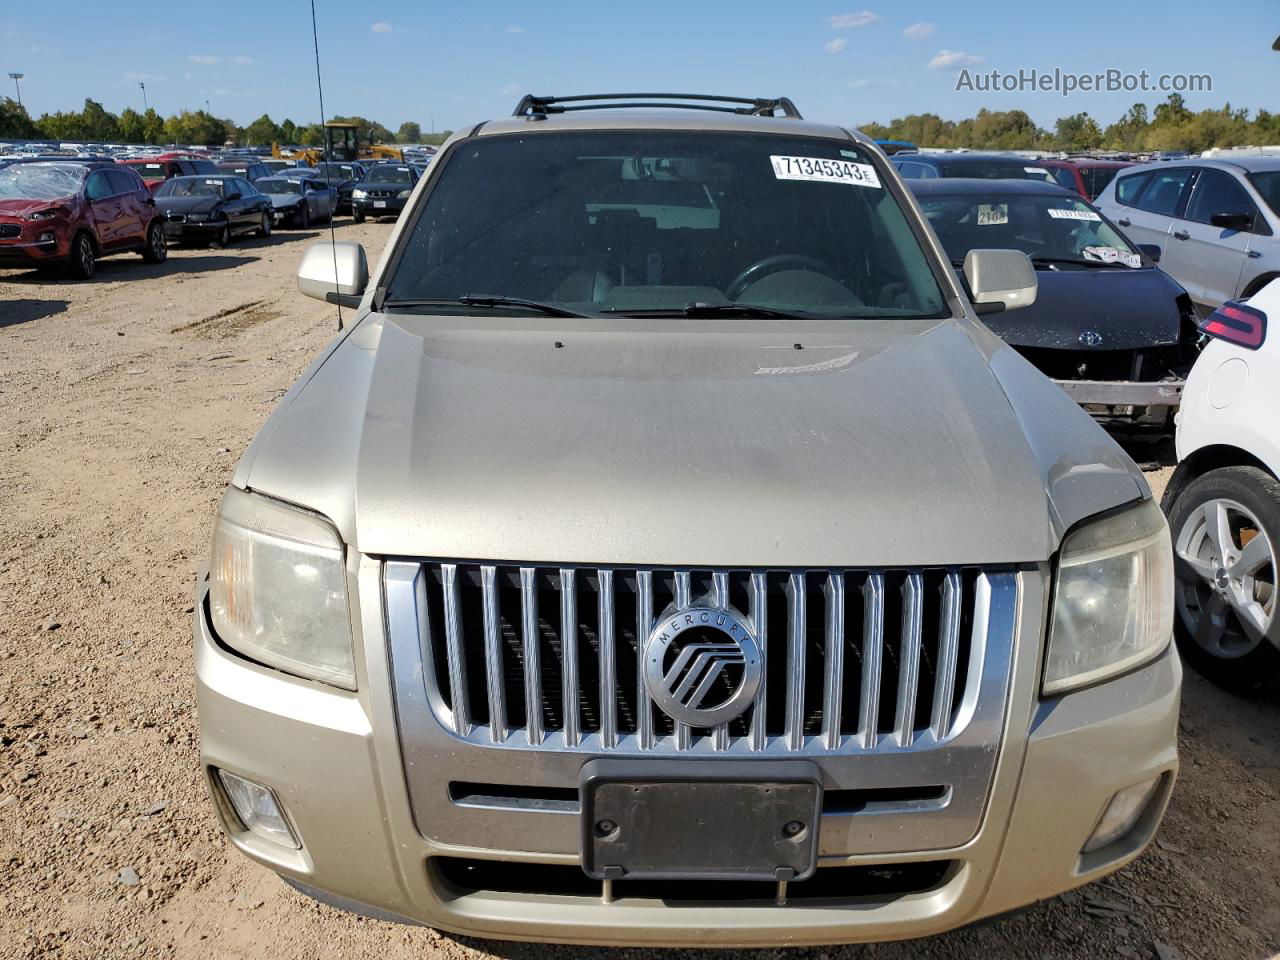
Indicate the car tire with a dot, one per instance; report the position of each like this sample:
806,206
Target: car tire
357,215
1227,614
224,237
156,249
304,218
265,229
83,262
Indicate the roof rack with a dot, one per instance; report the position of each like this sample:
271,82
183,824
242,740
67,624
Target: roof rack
538,108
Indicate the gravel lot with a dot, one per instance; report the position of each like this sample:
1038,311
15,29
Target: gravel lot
126,403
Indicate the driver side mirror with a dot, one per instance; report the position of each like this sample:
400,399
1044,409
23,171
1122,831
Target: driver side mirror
1235,220
334,273
1152,250
1000,280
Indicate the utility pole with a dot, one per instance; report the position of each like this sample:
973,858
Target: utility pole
15,77
143,87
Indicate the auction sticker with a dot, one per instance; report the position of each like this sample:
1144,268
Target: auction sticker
1058,214
825,171
992,214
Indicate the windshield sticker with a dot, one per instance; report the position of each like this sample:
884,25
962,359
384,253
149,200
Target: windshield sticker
992,214
1058,214
1101,254
1131,259
824,171
213,183
1036,170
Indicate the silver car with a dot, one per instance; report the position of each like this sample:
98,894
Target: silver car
667,555
1215,224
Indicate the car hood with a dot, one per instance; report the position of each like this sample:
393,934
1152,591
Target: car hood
1105,308
709,443
18,206
279,200
186,204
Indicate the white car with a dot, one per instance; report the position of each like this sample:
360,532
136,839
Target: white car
1223,500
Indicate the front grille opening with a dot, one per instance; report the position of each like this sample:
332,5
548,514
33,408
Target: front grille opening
471,621
891,648
509,621
851,680
815,652
881,882
435,630
512,796
965,664
626,660
931,624
884,799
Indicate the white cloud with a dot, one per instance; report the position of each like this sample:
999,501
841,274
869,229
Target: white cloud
918,31
205,59
954,60
836,45
515,29
241,60
851,21
381,27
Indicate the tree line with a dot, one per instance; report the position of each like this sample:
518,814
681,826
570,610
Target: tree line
1171,126
192,127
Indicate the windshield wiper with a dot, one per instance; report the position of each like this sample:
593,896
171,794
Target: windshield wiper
711,310
1052,261
476,300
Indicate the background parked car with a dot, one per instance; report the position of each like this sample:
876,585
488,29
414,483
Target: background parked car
1108,326
67,214
299,200
213,209
384,191
343,177
1215,222
1087,176
1223,500
156,170
250,169
983,166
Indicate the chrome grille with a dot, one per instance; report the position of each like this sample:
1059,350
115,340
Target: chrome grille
551,657
9,230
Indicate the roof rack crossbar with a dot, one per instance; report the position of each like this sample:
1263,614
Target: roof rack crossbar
531,106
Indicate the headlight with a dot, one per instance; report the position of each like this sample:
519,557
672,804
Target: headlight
278,589
404,194
46,214
359,194
1113,601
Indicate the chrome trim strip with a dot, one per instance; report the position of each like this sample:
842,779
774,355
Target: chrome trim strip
872,658
793,727
532,669
570,701
684,734
453,641
644,623
759,614
909,659
833,682
720,597
608,666
493,655
948,652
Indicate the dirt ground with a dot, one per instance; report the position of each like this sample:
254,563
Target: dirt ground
126,402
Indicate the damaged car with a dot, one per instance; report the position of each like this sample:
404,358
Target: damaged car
1113,330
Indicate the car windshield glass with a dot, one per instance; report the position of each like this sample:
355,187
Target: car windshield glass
41,181
338,171
149,171
998,170
279,186
643,221
388,174
192,187
1267,183
1049,227
1097,178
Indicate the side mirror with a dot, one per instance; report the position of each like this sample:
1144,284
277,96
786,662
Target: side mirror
1235,220
317,277
1000,279
1152,250
233,195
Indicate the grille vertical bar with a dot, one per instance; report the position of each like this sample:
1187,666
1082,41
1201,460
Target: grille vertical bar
644,623
453,644
872,656
682,599
759,613
794,729
720,596
909,658
532,666
569,655
493,655
834,679
608,663
948,654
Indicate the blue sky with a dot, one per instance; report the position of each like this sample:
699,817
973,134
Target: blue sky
452,63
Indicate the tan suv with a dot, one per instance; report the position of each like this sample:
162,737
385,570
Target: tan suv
667,555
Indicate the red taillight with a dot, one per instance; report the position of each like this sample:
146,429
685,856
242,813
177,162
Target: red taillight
1237,323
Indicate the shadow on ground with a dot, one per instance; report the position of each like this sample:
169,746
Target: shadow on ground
14,312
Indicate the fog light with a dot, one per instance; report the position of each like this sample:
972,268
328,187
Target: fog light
1121,814
45,238
258,809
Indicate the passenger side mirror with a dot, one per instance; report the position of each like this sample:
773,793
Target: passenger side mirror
317,277
1235,220
233,194
1000,280
1152,250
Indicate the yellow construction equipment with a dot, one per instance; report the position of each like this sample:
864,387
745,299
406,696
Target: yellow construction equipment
342,144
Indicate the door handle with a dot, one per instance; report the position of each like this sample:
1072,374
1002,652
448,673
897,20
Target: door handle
1181,235
1254,254
1123,221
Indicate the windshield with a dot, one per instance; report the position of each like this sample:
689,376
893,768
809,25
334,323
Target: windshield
148,171
191,187
1267,183
1059,229
338,171
627,221
997,170
279,186
41,181
389,174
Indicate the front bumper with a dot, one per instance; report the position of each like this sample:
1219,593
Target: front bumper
334,760
390,206
39,242
186,230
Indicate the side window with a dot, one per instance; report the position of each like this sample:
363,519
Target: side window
1162,193
183,168
1066,178
1128,188
97,187
120,181
910,171
247,188
1217,192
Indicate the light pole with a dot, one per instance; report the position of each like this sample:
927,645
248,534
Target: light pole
143,87
15,77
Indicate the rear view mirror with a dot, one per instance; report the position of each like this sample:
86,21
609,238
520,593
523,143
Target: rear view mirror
1152,250
335,273
1000,279
1235,220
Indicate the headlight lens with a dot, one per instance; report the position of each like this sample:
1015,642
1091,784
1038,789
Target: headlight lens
404,194
46,214
278,589
359,194
1113,601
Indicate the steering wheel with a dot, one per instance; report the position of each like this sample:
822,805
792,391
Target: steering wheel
781,261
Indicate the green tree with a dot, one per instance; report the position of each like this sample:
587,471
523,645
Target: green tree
132,127
152,127
1127,133
99,123
1076,133
288,132
409,132
195,129
312,135
262,132
998,130
15,121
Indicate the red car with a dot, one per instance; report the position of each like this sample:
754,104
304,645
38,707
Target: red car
67,215
154,171
1085,175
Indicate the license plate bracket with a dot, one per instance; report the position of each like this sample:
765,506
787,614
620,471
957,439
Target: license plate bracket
700,820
